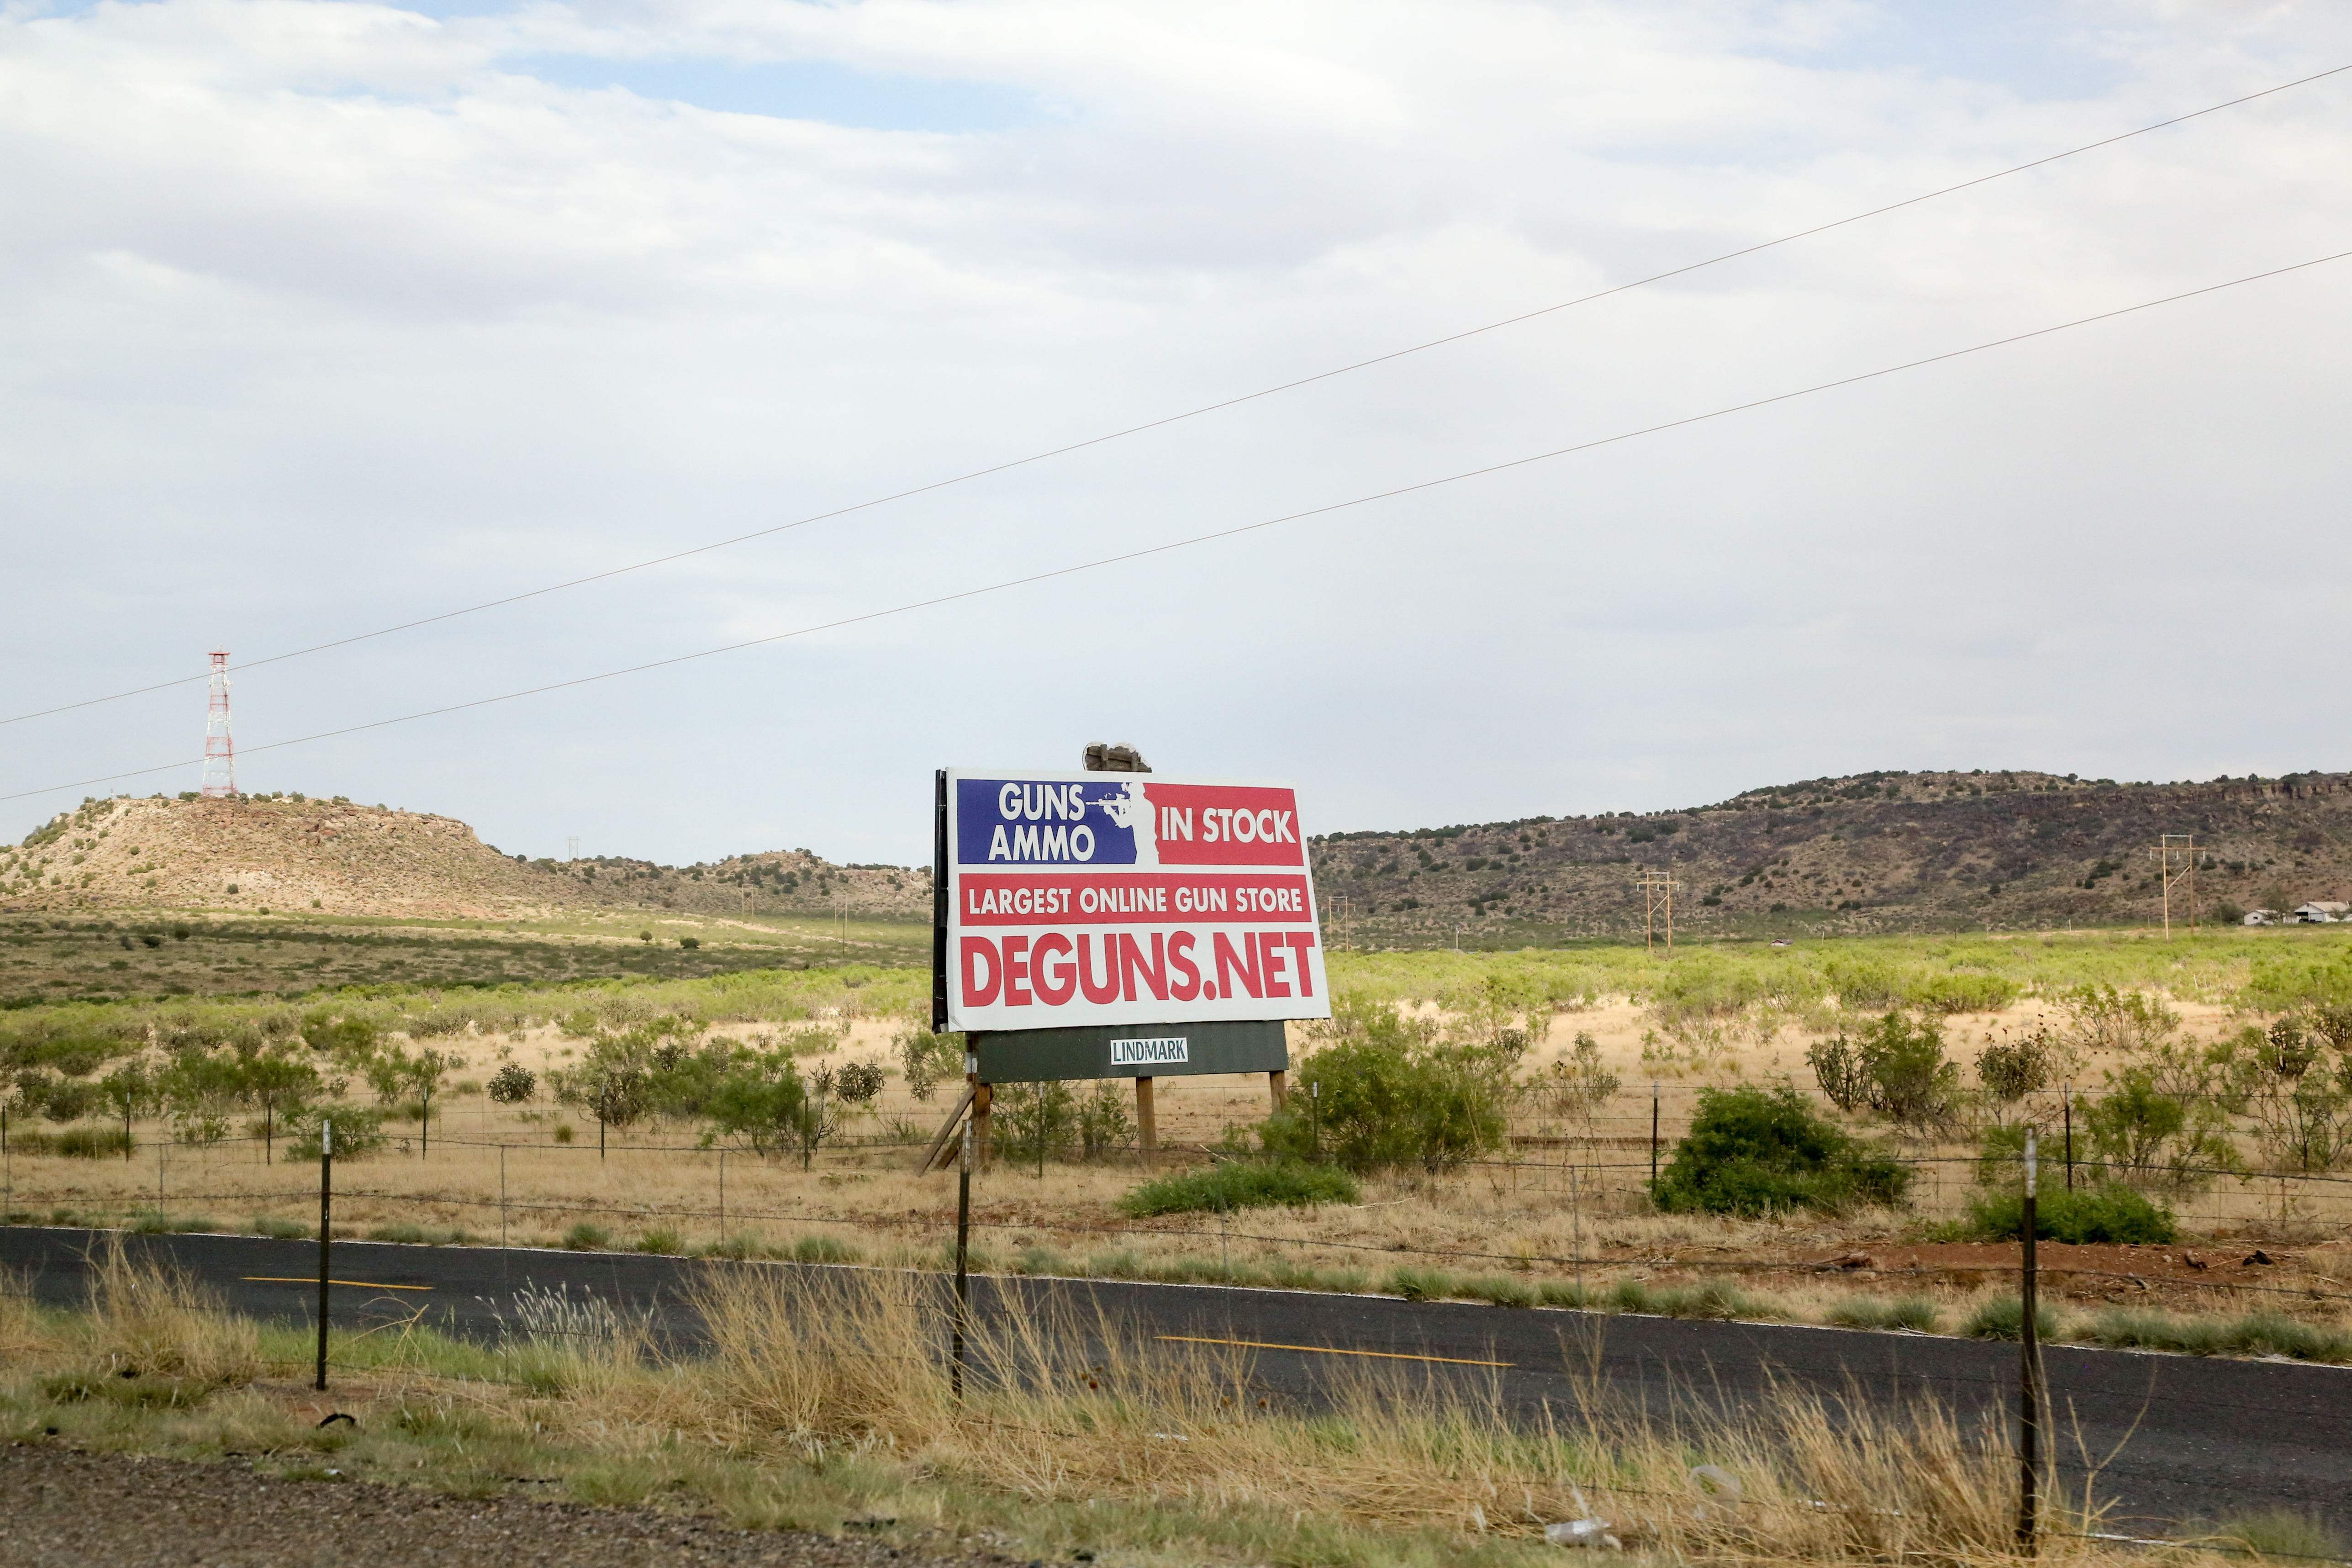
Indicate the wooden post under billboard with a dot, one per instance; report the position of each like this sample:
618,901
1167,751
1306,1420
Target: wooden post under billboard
1147,1126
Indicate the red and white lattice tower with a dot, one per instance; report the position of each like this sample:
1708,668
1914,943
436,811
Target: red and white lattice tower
220,752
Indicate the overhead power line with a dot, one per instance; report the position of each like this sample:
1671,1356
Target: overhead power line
1204,409
1147,551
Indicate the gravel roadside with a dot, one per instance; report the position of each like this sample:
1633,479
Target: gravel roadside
62,1509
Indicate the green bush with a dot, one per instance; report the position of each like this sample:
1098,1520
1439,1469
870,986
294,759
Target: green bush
1961,991
358,1132
823,1249
1416,1284
1389,1092
2262,1333
2003,1318
1717,1301
1758,1152
1241,1185
75,1143
587,1237
2109,1212
1914,1312
1500,1289
513,1084
2276,1532
1897,1067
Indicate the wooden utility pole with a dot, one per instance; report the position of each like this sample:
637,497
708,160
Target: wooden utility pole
1658,890
2175,860
1344,907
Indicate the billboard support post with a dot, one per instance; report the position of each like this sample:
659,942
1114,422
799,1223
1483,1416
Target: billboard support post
981,1094
1146,1129
1277,1088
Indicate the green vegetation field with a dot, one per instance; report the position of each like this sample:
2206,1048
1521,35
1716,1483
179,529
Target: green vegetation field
119,957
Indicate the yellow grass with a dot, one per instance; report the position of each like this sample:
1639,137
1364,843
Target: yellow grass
817,1399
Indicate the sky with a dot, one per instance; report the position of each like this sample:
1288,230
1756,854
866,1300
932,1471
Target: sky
318,317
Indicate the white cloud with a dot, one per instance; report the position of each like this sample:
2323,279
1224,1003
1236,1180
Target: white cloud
316,316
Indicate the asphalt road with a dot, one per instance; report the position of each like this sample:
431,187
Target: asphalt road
2176,1437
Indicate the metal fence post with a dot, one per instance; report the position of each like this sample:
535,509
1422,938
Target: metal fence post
2028,1345
326,1231
962,1259
1654,1138
2070,1137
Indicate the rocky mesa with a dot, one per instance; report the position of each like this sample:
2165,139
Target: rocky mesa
294,854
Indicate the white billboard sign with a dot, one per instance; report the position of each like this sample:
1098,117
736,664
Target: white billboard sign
1077,899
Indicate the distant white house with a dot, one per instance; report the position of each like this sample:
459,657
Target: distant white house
2320,914
2261,917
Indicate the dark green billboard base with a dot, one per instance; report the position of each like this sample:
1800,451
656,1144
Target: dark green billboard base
1129,1050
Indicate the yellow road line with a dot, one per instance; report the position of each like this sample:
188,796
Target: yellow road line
313,1280
1333,1350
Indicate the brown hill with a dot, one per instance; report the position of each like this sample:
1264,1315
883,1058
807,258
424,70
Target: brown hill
1871,852
288,853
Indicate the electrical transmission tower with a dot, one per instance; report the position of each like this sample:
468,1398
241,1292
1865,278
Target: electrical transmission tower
220,752
1658,891
2176,858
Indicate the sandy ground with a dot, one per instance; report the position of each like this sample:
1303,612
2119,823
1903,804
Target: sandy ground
60,1508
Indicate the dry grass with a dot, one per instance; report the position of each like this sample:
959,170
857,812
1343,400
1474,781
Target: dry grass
818,1398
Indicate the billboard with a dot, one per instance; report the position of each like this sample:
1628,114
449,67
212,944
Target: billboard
1114,898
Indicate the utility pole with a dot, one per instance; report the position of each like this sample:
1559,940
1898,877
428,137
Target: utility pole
2176,858
1658,888
1344,907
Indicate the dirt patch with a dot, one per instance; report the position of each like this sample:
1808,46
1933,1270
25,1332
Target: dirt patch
61,1509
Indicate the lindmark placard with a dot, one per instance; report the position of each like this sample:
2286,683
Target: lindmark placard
1161,1051
1094,899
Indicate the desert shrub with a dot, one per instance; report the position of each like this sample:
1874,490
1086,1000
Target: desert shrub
1897,1068
858,1082
1416,1284
925,1058
587,1237
1240,1184
1036,1121
2013,1066
1103,1124
2276,1532
823,1249
2003,1318
1577,1085
2299,1104
1758,1152
2107,1018
1914,1312
64,1099
1388,1092
2261,1333
75,1143
1839,1068
1961,991
1863,984
513,1084
2110,1212
359,1131
2166,1122
759,1101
